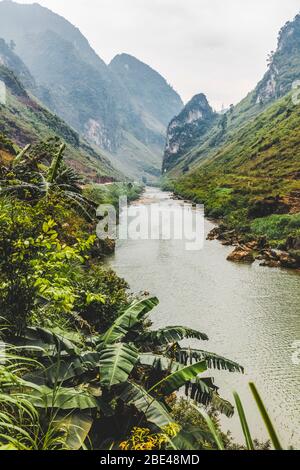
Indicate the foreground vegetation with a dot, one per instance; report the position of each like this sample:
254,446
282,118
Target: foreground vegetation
81,367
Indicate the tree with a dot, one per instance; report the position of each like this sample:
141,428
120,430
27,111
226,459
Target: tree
28,179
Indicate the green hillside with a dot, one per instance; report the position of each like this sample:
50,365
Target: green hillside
283,71
103,104
256,175
23,120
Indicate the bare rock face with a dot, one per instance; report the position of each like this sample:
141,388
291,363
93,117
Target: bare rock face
279,258
241,255
283,64
187,128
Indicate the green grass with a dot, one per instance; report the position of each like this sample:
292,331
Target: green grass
277,227
262,160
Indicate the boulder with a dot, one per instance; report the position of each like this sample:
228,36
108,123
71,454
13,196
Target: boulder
241,255
272,263
292,243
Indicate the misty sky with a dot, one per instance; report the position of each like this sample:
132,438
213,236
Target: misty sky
218,47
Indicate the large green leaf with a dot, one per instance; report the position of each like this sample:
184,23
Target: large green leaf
201,390
62,398
178,379
221,405
76,426
62,369
186,355
172,334
116,363
159,363
132,315
243,421
266,418
44,338
153,410
191,438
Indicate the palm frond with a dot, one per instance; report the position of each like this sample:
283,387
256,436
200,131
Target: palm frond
134,314
172,334
186,355
134,395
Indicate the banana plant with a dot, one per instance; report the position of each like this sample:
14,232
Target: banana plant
128,367
57,179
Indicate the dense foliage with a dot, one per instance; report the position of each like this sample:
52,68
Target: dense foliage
81,366
79,351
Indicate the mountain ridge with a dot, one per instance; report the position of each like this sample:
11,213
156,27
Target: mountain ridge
75,83
273,86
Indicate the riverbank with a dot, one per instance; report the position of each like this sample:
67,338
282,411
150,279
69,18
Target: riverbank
273,240
249,250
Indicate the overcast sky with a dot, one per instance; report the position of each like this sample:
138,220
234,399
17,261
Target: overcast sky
218,47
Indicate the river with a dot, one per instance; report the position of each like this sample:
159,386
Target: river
250,313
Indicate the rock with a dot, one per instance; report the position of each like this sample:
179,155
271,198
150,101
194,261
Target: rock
271,263
226,243
251,245
287,261
241,255
292,243
214,234
262,243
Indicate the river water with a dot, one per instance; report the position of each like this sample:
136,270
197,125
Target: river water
250,313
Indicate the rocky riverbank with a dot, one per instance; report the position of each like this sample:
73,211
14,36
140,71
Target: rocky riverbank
257,249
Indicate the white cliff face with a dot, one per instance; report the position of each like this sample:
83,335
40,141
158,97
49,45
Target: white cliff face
194,115
96,132
184,129
269,91
284,66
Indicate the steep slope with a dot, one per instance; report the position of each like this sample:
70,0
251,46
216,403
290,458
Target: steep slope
186,129
10,60
154,101
283,71
255,178
151,96
284,66
73,82
23,120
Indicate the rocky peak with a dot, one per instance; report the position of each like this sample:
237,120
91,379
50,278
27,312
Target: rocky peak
284,64
187,128
148,91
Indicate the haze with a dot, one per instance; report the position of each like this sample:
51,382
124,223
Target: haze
213,46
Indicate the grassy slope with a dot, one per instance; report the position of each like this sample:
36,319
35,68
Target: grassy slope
262,160
215,138
24,120
128,160
283,70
